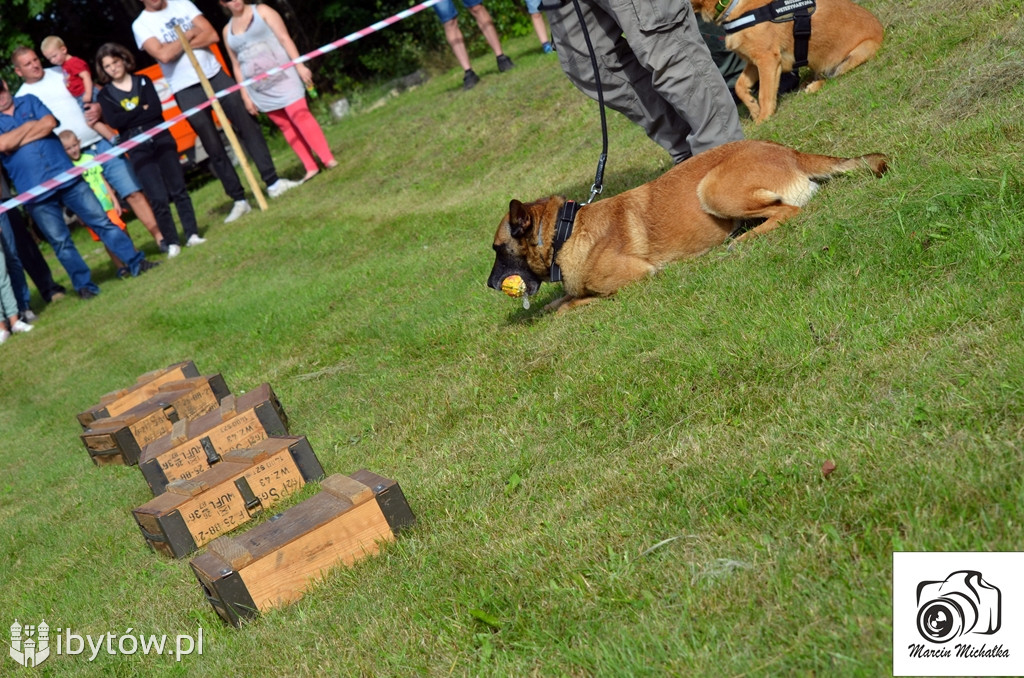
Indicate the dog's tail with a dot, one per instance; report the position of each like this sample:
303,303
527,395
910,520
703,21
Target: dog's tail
825,166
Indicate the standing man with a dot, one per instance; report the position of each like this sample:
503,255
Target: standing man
448,15
154,33
655,69
32,153
48,86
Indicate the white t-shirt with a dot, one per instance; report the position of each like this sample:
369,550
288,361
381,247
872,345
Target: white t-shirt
160,25
55,96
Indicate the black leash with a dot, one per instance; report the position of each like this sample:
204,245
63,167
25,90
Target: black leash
567,213
598,186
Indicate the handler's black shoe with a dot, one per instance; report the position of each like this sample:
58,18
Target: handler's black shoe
505,64
86,293
470,79
146,265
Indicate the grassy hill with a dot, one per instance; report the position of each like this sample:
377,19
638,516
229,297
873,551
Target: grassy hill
633,488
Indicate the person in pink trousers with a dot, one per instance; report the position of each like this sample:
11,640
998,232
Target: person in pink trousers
257,40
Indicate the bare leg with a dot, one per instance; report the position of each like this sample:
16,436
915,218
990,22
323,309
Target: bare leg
458,44
540,27
140,205
118,264
486,24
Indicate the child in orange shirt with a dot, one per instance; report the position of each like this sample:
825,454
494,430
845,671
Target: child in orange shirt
77,78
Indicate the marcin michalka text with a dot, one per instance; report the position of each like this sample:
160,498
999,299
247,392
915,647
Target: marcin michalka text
962,652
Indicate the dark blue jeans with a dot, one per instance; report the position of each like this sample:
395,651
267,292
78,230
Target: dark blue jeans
79,198
13,264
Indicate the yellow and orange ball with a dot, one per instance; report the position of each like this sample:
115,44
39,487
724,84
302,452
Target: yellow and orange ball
513,286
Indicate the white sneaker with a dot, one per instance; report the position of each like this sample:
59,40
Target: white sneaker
280,186
20,326
173,251
194,239
241,207
4,336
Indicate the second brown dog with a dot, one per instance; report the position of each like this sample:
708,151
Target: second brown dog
843,36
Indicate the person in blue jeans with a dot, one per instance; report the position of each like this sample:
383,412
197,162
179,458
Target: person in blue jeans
448,15
32,154
24,258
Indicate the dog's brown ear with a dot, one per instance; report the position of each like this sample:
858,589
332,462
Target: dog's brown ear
518,219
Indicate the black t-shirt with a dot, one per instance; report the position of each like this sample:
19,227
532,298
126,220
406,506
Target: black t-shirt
138,109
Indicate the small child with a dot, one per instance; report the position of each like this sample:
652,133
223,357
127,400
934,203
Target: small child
77,78
104,193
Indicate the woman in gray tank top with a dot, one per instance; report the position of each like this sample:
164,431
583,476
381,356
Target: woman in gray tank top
257,40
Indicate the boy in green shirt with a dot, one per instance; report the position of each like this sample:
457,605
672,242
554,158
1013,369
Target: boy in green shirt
108,199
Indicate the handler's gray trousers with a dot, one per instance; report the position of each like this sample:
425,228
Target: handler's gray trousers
655,69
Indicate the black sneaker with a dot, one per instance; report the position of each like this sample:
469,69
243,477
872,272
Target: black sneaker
123,272
505,64
470,79
146,265
86,293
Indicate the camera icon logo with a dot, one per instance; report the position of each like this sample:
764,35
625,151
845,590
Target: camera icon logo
960,604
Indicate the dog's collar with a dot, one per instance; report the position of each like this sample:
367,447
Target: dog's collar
723,8
779,11
563,231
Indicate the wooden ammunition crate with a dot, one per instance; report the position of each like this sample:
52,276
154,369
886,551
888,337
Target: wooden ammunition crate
144,388
275,562
195,445
119,440
194,512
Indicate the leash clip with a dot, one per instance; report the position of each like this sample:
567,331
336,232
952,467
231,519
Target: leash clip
598,185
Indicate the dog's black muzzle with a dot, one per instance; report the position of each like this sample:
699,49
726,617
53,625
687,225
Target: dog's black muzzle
505,265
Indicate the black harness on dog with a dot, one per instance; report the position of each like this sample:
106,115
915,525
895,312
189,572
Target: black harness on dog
563,230
781,11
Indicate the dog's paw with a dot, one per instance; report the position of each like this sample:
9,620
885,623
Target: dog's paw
569,303
814,85
556,305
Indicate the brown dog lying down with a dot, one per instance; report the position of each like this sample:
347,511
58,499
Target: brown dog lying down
843,36
685,212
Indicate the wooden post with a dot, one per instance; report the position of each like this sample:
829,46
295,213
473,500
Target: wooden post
224,121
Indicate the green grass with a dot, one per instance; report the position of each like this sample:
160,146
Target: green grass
633,488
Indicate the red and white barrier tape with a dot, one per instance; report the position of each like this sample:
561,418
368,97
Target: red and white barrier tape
125,146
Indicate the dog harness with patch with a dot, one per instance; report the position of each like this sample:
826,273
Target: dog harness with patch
781,11
563,230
